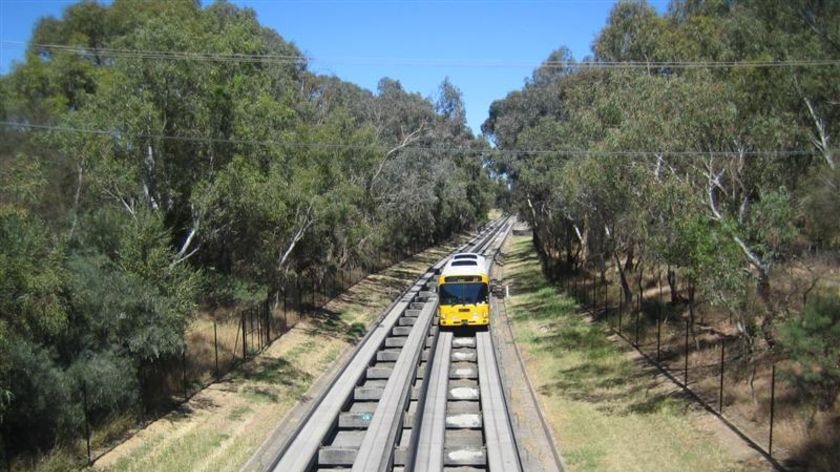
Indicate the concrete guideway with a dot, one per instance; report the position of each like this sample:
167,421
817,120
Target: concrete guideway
502,453
364,418
374,453
308,441
429,458
466,425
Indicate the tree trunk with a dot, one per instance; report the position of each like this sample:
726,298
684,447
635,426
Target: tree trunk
672,285
625,285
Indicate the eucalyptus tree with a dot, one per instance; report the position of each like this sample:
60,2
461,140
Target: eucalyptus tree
725,143
167,155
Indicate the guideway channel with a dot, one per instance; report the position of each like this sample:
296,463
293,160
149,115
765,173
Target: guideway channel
465,425
364,421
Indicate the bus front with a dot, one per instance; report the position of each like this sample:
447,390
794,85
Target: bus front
464,300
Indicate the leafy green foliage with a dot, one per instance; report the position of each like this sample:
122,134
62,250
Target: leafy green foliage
108,382
772,222
31,278
812,340
821,197
42,395
187,183
713,172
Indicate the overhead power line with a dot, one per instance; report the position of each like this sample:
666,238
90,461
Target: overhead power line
117,134
302,60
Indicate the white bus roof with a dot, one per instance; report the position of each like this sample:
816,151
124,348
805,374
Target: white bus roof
476,266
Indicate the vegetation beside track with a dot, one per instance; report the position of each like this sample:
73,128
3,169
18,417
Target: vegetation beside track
679,159
223,425
163,160
608,410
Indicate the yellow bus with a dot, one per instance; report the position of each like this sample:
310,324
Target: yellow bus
463,290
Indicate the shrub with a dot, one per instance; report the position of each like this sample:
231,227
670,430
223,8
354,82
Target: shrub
43,410
110,382
812,341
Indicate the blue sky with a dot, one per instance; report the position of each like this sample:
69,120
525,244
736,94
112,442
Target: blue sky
418,42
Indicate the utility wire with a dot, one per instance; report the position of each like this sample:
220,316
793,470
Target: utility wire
449,150
302,60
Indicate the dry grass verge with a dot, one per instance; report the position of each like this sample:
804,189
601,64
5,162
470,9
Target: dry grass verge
804,438
607,407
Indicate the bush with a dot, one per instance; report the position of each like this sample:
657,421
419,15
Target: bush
812,341
110,382
44,407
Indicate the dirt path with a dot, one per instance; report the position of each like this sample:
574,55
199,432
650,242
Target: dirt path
221,426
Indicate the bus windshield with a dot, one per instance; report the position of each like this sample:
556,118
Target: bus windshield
463,293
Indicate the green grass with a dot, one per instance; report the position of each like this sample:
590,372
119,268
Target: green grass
297,351
332,355
238,412
608,411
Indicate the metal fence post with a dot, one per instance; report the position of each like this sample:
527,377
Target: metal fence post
87,420
605,287
256,329
685,378
620,307
216,347
722,364
594,286
641,293
314,293
244,347
184,369
772,407
269,315
260,319
659,317
638,316
6,459
251,328
658,337
141,374
262,325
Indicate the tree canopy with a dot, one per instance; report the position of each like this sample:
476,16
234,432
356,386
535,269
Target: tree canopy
157,156
699,140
